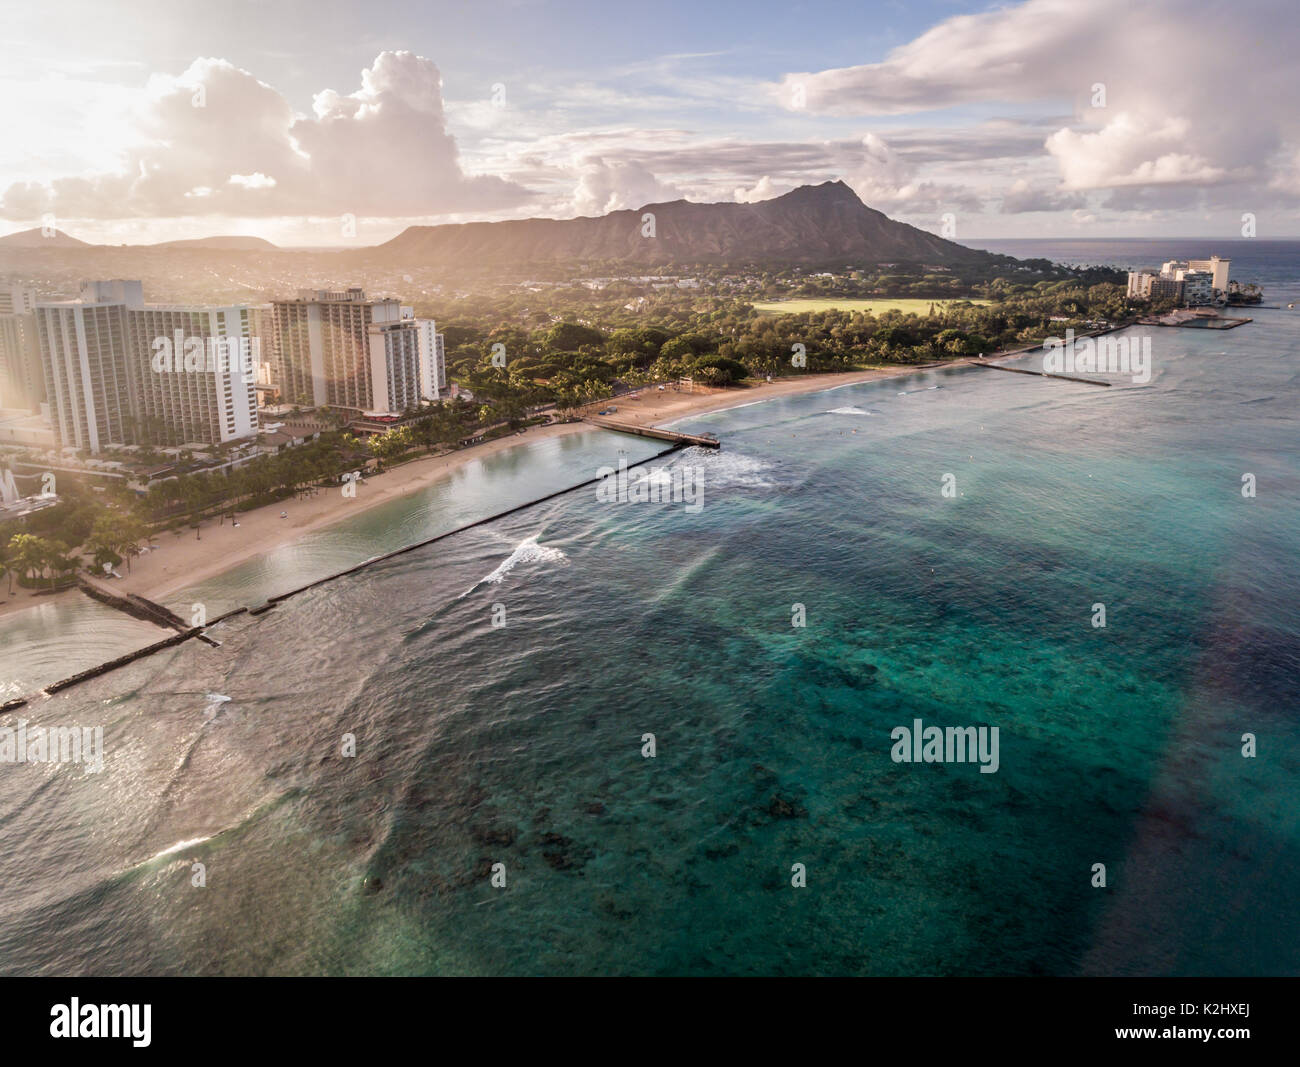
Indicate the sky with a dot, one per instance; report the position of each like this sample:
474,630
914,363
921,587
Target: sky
331,123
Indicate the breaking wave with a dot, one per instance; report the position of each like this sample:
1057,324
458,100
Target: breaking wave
730,469
527,551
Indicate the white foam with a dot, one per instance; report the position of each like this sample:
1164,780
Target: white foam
724,468
849,411
656,476
527,551
180,846
215,700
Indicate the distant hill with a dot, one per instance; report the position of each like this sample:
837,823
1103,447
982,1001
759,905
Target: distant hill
812,224
225,244
59,239
35,239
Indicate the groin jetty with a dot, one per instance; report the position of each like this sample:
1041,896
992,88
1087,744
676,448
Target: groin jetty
980,361
121,661
1039,373
185,634
279,597
139,607
134,605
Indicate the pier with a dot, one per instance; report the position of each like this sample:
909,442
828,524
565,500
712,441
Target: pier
1198,322
681,440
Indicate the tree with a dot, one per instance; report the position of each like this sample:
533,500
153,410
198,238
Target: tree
29,554
569,336
118,534
392,443
728,370
59,561
512,409
104,555
640,344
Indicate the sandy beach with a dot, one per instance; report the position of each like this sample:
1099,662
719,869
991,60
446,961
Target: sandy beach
177,562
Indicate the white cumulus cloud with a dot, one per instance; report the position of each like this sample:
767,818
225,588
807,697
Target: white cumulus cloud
216,138
613,186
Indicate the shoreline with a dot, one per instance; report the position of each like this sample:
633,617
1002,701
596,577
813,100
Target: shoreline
179,562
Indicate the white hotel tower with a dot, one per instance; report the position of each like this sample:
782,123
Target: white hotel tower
102,384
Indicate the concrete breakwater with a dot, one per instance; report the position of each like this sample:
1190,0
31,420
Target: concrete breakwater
279,597
1039,373
103,668
121,661
141,608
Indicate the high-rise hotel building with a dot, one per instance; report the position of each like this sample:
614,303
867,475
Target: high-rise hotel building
433,362
105,384
22,382
335,348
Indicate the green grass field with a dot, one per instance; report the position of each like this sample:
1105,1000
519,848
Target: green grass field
873,305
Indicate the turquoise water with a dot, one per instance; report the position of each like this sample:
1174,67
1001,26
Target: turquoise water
522,745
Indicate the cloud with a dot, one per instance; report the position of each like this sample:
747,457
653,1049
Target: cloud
763,189
902,174
1014,53
1021,198
1131,150
253,181
605,187
1167,92
887,180
217,139
1197,120
1285,171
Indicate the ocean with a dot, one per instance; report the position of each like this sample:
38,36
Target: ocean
503,689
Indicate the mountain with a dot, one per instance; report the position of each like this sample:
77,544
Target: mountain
59,239
36,239
821,224
224,244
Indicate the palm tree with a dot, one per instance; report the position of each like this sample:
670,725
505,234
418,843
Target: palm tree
132,532
29,553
